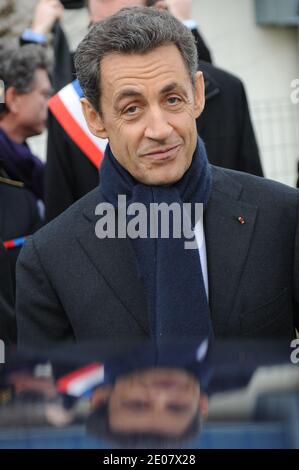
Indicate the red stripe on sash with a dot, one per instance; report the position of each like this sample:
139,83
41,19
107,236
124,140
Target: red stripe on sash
63,383
75,132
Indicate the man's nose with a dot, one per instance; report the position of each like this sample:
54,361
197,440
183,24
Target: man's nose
157,126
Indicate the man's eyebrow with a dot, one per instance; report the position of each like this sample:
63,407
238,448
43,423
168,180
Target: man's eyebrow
126,93
131,93
173,86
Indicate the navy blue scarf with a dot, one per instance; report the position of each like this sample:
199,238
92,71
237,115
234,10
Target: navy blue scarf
171,274
21,165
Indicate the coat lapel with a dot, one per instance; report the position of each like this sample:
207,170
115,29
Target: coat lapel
227,243
115,261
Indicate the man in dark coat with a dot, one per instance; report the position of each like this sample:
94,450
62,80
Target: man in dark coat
20,217
225,126
77,280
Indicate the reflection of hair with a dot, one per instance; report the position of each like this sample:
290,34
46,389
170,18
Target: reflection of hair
150,3
18,66
131,30
98,426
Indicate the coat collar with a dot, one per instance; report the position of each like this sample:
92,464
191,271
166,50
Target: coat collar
212,87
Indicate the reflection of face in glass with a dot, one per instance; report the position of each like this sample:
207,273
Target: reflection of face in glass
155,401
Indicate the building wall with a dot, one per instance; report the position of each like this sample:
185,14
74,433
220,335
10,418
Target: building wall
267,60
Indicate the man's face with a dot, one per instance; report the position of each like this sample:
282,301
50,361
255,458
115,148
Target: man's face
99,9
32,107
160,401
149,107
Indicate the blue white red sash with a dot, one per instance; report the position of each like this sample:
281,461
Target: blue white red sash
16,242
80,382
66,108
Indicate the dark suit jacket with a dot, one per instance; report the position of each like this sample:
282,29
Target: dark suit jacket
225,125
19,217
203,51
73,286
7,314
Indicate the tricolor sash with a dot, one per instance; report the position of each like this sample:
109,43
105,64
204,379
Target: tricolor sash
80,382
66,108
16,242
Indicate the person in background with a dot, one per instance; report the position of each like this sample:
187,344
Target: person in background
46,19
20,216
74,155
24,72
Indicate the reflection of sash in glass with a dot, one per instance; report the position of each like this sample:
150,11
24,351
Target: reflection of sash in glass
191,356
80,382
66,108
16,242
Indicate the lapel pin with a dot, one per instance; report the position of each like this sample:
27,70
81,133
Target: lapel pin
241,220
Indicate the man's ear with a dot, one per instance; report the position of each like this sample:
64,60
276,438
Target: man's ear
100,396
93,119
199,94
11,100
204,405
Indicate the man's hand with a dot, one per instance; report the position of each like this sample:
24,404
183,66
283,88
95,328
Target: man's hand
181,9
45,15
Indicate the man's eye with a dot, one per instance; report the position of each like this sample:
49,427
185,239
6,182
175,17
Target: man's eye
131,110
178,408
173,100
136,405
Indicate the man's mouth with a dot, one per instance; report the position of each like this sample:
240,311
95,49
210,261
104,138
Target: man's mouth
163,153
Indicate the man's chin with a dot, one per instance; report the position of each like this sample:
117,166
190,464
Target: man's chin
35,132
162,179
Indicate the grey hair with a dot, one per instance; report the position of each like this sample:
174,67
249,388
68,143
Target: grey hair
130,31
19,64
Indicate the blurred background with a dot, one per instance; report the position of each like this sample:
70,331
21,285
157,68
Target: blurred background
257,40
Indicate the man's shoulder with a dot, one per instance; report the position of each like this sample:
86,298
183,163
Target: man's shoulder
254,189
64,227
14,193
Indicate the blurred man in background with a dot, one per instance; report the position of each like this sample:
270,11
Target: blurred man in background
25,74
46,20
